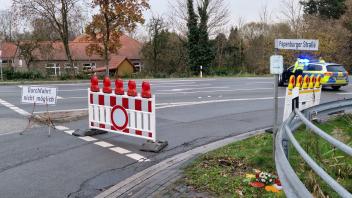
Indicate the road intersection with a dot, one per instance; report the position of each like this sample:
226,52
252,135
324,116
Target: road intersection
190,113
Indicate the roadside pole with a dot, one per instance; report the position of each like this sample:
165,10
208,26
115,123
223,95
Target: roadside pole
276,110
2,78
201,71
276,68
276,103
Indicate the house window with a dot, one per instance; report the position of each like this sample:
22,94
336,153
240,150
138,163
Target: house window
88,67
68,67
137,66
6,61
53,69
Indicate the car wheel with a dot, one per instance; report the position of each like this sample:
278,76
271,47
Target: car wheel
336,87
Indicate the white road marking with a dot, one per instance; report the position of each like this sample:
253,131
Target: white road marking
120,150
71,90
191,80
14,108
103,144
199,97
63,84
259,78
213,101
137,157
209,96
8,105
213,91
344,93
199,88
61,128
59,97
80,97
88,138
259,83
69,132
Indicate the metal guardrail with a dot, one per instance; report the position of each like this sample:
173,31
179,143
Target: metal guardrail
292,185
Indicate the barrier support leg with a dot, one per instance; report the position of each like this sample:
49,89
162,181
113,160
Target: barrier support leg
154,146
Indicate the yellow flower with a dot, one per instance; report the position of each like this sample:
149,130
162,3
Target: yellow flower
250,176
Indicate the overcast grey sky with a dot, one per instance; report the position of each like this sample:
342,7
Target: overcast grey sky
247,10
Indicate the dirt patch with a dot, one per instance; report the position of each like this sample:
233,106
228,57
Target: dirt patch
60,117
341,135
237,166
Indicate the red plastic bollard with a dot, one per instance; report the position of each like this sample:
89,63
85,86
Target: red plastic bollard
146,90
132,88
107,85
94,84
119,87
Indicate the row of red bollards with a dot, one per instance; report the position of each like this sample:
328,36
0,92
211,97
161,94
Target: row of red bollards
94,87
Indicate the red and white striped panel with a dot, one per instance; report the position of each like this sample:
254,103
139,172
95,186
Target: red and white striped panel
141,114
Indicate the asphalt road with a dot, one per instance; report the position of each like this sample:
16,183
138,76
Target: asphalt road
190,113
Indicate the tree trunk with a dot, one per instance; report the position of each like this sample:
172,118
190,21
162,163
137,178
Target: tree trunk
106,44
65,34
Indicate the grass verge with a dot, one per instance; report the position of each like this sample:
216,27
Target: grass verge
222,172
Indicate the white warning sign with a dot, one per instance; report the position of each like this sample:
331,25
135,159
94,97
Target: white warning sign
39,95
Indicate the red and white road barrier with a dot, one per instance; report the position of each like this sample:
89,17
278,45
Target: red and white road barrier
116,111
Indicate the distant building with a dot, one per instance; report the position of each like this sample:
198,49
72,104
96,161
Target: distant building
50,57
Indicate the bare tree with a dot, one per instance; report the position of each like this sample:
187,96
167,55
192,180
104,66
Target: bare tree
61,15
217,10
8,24
265,14
292,12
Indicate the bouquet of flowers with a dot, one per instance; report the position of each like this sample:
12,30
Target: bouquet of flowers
265,178
261,179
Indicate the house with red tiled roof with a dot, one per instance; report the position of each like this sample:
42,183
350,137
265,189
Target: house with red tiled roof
8,54
50,57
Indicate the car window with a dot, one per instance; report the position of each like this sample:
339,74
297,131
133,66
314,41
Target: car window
312,67
335,68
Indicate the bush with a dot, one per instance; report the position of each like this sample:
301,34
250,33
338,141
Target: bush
222,71
10,74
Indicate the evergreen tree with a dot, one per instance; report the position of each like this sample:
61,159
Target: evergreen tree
193,36
205,52
326,9
234,49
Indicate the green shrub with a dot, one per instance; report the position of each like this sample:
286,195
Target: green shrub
11,74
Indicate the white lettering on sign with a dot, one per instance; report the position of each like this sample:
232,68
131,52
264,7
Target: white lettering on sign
39,95
297,44
276,64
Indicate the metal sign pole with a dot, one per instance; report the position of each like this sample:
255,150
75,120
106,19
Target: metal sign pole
276,107
2,78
